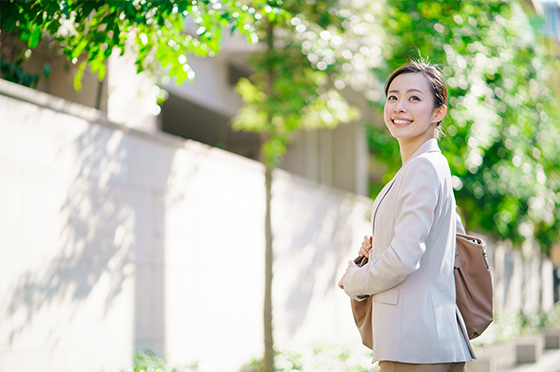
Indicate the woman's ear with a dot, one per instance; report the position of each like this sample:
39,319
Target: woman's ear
439,113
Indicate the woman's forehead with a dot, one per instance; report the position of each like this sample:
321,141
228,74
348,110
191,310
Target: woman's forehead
410,81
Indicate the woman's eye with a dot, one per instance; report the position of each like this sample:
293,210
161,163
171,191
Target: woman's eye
414,98
391,98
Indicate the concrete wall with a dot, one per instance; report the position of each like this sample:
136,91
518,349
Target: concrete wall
114,240
520,283
337,157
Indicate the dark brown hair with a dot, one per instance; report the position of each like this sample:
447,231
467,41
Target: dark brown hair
435,78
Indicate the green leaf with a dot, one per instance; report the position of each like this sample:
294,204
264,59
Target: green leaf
35,37
79,75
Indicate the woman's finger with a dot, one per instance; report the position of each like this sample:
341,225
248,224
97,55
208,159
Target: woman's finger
366,247
364,252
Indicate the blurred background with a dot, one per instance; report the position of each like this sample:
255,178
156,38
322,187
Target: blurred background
182,183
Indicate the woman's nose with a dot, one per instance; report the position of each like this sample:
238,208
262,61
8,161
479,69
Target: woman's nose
400,106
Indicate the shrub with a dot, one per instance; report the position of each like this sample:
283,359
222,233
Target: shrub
148,362
324,359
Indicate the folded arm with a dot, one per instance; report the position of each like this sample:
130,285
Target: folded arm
415,211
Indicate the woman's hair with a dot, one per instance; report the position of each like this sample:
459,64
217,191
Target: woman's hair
435,78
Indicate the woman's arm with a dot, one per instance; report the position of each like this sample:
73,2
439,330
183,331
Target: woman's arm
415,211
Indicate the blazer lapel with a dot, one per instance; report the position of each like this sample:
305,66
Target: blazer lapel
379,199
429,146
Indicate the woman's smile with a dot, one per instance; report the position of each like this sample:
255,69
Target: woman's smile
400,122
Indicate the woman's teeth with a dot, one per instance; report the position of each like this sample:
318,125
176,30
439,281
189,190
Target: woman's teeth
402,122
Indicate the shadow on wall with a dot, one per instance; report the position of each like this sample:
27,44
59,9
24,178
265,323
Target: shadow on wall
321,250
101,282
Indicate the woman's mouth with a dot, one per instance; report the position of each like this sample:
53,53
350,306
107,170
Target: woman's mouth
401,122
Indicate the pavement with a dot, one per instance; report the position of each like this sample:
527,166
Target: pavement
502,358
549,362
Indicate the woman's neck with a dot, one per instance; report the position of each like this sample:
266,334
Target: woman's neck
408,148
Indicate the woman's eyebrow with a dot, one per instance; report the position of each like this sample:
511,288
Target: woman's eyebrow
410,90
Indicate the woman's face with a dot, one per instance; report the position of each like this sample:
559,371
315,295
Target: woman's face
409,109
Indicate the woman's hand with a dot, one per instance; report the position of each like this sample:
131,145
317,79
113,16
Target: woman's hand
366,247
364,251
340,285
350,264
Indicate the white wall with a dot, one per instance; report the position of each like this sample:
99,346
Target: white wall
131,96
335,157
520,283
114,240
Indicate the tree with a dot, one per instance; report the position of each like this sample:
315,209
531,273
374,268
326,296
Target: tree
287,93
154,30
503,125
293,87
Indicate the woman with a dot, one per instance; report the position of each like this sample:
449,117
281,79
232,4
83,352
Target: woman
416,323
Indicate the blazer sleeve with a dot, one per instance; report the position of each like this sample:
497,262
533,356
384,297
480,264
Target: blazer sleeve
415,212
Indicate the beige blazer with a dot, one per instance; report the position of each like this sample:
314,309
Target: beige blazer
410,271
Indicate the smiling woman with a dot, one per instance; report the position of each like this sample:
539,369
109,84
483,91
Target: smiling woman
416,105
409,274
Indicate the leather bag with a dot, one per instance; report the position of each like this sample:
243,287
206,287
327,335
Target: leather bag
473,285
362,311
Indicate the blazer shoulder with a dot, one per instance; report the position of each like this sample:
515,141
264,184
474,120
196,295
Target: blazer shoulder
431,156
428,162
434,160
429,170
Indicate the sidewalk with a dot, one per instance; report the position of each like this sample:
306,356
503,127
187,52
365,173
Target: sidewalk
550,362
502,358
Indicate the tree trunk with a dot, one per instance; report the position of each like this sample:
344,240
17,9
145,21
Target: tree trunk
268,339
269,163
